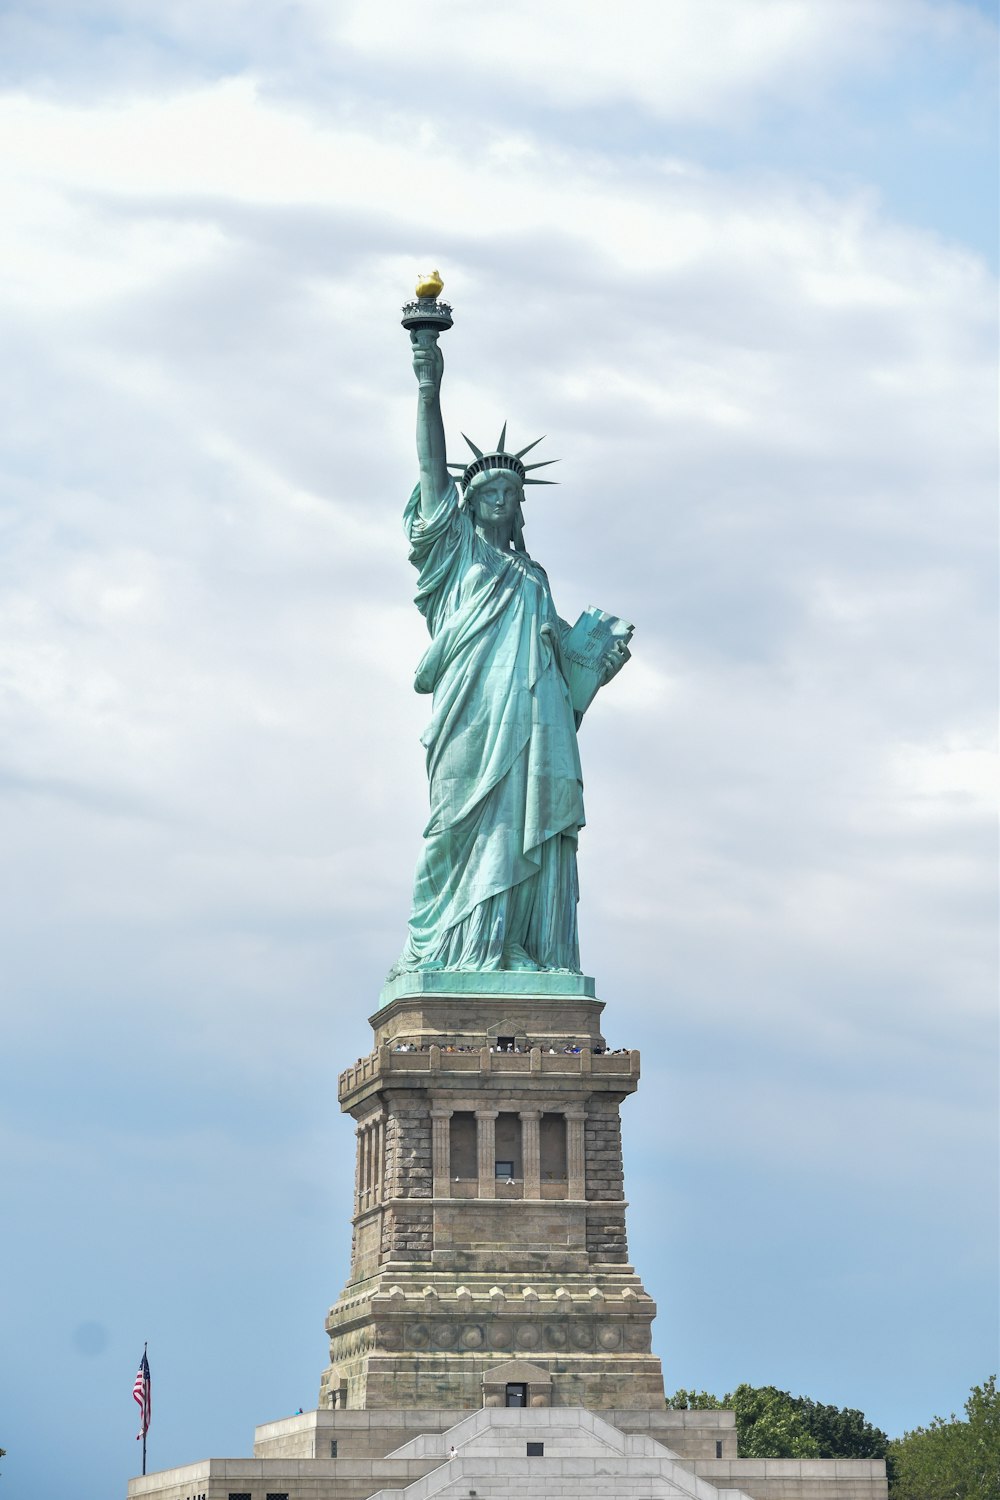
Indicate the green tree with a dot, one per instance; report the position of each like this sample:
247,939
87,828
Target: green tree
951,1459
683,1400
769,1424
841,1432
774,1424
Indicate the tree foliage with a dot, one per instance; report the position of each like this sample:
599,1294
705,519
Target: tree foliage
771,1424
683,1400
952,1459
774,1424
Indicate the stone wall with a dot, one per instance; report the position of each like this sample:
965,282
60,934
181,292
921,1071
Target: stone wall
603,1147
374,1433
606,1240
797,1479
408,1146
582,1455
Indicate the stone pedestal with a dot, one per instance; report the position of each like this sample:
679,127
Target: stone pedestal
489,1221
500,1454
492,1338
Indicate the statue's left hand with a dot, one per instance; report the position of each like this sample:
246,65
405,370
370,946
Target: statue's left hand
613,660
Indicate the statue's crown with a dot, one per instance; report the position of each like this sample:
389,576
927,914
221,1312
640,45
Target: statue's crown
501,459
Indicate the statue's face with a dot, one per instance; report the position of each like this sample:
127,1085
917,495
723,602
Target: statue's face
494,500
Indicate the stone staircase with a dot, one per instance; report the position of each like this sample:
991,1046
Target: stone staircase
582,1456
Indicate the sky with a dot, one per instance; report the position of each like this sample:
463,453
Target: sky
737,259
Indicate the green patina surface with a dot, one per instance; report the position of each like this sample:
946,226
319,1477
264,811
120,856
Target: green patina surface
496,884
537,986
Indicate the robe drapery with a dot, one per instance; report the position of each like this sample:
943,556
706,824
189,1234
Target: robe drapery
496,881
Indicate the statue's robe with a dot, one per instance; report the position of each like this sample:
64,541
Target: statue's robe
497,872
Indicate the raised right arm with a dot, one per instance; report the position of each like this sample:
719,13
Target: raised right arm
428,366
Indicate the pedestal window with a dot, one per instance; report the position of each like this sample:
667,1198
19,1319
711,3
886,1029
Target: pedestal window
464,1151
508,1147
552,1147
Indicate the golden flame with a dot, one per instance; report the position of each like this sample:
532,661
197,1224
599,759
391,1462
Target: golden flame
430,285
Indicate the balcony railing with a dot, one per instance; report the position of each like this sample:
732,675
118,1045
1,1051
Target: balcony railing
538,1060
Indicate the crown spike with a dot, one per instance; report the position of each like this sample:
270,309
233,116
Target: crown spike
498,460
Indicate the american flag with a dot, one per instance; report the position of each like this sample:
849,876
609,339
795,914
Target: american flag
142,1392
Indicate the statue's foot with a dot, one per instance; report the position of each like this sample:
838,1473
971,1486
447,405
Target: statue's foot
516,958
402,966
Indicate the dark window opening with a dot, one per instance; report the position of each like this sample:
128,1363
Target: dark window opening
536,1450
505,1169
277,1495
239,1495
552,1147
516,1395
464,1147
333,1447
505,1044
718,1449
507,1144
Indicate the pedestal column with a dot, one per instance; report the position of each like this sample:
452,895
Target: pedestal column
366,1167
486,1132
531,1166
576,1186
359,1137
441,1150
379,1159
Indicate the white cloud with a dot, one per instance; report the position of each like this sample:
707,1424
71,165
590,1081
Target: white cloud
772,404
721,333
689,59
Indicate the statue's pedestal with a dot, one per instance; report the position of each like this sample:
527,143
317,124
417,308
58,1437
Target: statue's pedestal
503,1454
492,1338
489,1215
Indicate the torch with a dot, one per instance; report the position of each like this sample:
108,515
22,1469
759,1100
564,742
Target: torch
425,317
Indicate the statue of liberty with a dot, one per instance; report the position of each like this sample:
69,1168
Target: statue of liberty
496,882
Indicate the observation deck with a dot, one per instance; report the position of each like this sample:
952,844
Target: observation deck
438,1066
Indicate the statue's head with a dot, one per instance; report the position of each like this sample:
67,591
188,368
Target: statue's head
493,485
494,496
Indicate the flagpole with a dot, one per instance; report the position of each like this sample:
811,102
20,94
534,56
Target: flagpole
144,1421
